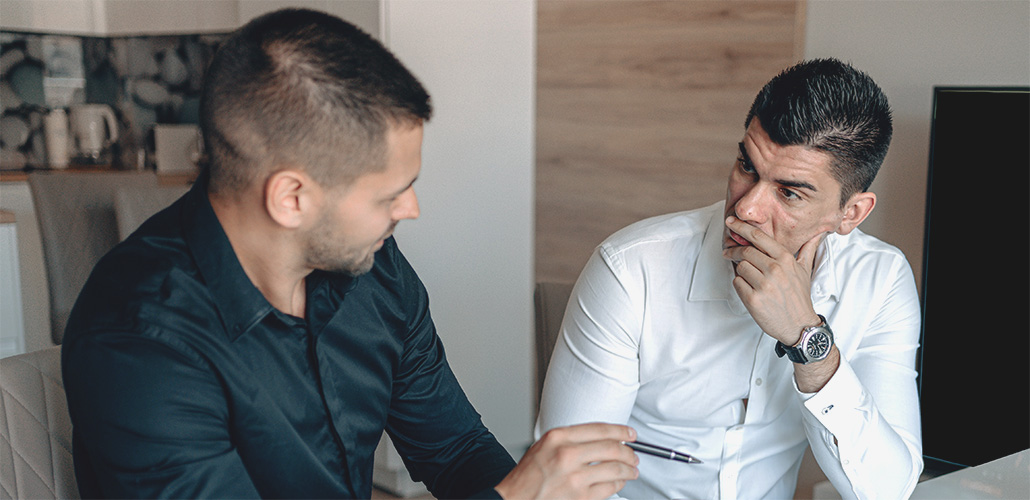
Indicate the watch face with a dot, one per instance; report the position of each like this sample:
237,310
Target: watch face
818,345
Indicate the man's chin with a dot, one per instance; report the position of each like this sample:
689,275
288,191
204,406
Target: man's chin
358,269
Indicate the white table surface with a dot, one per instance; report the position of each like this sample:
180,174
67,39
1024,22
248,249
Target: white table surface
1006,478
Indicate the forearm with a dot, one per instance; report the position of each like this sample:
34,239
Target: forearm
811,378
862,452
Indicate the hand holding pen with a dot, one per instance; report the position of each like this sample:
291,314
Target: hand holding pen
659,451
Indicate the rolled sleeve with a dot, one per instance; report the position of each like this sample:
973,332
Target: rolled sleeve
863,425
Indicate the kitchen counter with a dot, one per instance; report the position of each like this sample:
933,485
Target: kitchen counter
7,176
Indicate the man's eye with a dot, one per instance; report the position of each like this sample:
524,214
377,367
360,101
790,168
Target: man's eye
745,166
790,195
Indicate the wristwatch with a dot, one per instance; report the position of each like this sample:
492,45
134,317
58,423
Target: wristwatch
814,344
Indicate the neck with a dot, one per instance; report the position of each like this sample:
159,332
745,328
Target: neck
267,255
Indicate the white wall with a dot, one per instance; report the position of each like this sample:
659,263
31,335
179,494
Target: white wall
473,244
119,17
908,47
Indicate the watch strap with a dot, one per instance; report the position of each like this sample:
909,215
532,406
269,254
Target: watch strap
796,353
793,353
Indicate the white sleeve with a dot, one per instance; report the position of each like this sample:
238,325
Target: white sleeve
593,375
864,425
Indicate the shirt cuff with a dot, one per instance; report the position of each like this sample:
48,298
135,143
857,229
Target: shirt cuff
841,405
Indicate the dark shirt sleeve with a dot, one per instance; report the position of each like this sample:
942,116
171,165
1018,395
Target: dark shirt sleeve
163,433
432,424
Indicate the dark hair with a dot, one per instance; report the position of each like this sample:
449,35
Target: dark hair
828,105
304,89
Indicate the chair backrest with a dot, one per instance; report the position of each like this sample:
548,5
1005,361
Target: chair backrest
35,429
77,225
550,300
134,205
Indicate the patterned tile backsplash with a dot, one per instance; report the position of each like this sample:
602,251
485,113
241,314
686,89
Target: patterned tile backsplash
145,80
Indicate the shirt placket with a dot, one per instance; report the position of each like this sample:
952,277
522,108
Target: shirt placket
327,387
734,458
731,462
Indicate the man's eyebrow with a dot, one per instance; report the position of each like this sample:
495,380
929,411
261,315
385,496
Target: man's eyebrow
405,188
783,182
797,184
743,153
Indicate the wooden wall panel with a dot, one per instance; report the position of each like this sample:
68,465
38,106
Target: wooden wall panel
640,105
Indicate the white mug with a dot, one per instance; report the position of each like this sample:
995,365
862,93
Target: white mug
88,126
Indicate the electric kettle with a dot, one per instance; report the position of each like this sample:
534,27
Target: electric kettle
94,128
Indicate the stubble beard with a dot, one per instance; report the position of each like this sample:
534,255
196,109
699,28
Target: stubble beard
328,251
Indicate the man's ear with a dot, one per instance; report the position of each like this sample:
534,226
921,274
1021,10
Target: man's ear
858,207
290,197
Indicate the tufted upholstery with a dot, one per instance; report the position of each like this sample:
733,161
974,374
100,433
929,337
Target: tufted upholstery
35,430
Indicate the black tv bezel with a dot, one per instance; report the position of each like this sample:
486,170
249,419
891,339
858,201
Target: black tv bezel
934,466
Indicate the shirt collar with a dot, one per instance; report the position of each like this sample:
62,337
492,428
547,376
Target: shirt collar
824,278
240,304
713,275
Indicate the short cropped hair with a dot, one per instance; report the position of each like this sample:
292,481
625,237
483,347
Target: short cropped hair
830,106
302,89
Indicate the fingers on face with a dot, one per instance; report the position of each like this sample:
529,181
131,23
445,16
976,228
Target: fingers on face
806,255
748,273
754,257
750,233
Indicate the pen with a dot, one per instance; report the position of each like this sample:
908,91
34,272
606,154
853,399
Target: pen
658,451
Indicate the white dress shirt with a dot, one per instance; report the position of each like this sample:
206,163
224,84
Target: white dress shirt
656,337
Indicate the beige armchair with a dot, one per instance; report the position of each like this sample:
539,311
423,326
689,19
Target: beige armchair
35,429
77,225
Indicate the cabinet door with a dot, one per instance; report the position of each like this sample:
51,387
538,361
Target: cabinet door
132,17
119,17
366,14
50,16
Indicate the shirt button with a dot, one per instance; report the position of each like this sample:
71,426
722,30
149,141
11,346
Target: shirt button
758,381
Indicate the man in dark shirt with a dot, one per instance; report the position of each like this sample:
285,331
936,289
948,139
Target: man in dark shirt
257,337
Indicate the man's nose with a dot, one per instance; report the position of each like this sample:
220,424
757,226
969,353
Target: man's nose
751,207
407,206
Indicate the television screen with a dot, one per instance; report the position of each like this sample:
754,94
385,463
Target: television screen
974,360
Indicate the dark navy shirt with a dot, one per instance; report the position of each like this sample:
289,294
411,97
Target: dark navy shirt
183,381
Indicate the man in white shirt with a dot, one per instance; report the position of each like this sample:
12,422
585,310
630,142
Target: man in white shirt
743,332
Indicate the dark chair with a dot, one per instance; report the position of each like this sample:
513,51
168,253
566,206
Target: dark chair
550,300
